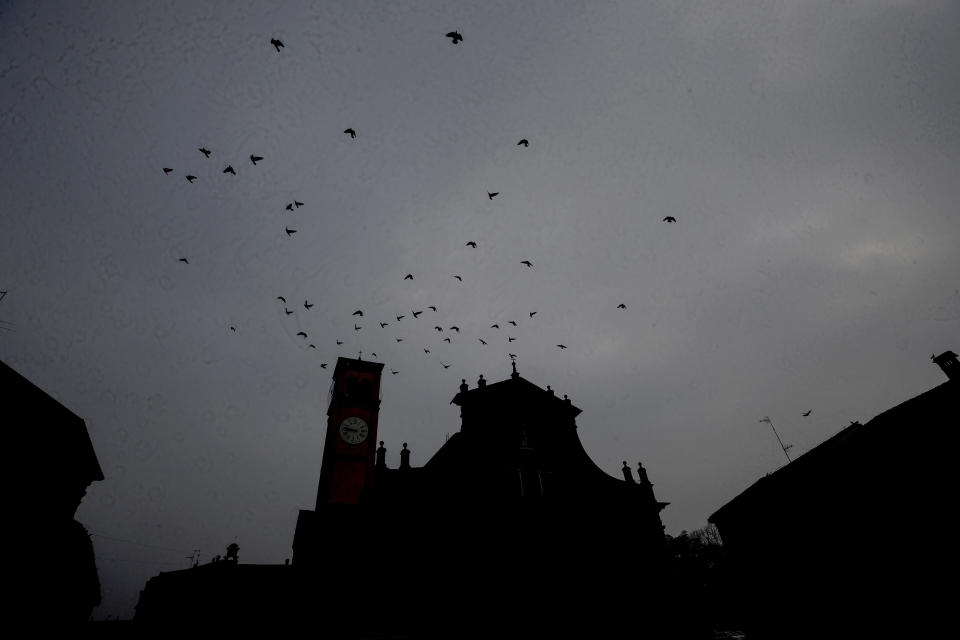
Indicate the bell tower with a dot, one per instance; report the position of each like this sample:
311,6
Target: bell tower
349,450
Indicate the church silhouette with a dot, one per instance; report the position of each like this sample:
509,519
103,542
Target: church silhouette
509,526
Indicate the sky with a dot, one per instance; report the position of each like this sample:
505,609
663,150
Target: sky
809,151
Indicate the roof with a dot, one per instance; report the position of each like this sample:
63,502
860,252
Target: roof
357,365
892,431
515,387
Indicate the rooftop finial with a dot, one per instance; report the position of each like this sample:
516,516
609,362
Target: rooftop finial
481,383
513,363
549,390
463,385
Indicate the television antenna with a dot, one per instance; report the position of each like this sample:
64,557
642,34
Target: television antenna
786,447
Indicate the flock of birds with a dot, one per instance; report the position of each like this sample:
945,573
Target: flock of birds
455,38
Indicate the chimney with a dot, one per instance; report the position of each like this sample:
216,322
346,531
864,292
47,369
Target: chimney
948,363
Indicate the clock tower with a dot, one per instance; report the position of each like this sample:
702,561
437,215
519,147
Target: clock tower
349,449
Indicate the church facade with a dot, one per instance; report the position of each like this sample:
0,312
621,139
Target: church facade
509,523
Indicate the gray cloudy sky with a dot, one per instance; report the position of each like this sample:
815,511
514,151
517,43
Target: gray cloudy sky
808,149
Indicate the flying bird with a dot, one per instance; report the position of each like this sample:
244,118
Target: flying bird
323,365
455,37
358,312
357,328
373,353
533,313
205,151
234,329
447,340
190,179
183,260
167,170
458,278
524,142
493,194
482,341
312,346
255,159
383,324
409,276
669,219
394,372
509,339
287,311
339,342
494,326
439,328
399,339
399,318
526,262
512,322
290,207
471,244
229,169
297,204
276,43
457,329
621,306
302,333
426,350
289,231
513,356
432,308
445,366
807,413
351,132
562,346
307,305
416,314
282,299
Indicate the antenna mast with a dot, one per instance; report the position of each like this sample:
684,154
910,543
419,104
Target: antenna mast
786,447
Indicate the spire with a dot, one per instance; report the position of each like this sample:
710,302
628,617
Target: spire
513,363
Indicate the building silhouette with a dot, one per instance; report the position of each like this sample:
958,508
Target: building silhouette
849,537
509,525
52,461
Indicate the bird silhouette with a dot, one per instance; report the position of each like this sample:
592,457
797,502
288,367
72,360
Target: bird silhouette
432,308
357,328
205,151
426,350
471,244
509,339
494,326
373,353
306,305
533,313
255,159
457,329
394,372
562,346
621,306
234,329
351,132
493,194
167,170
290,207
297,204
512,322
183,260
439,328
312,346
807,413
399,339
669,219
399,318
526,262
455,37
416,314
339,342
383,324
282,299
409,276
513,356
482,341
190,179
289,231
445,366
447,340
323,365
358,312
302,333
287,311
276,43
229,169
524,142
458,278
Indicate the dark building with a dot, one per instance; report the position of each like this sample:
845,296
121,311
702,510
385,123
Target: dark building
509,524
52,462
850,539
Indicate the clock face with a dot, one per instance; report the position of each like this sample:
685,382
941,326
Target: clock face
354,430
